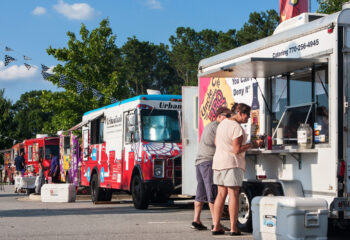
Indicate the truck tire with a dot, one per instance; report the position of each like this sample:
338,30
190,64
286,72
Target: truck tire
139,195
107,195
244,221
272,190
96,191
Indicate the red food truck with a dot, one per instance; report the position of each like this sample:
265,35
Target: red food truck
41,146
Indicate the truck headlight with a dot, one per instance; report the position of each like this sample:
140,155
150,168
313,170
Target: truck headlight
158,168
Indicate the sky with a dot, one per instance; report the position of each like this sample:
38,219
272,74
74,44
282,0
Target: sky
29,27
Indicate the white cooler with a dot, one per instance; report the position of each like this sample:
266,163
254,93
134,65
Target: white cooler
58,193
289,218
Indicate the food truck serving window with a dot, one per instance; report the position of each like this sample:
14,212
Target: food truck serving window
66,145
51,149
97,131
299,97
160,125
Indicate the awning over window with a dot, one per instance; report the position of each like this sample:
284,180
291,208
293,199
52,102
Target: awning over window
262,67
82,123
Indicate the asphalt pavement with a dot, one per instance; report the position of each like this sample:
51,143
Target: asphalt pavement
23,217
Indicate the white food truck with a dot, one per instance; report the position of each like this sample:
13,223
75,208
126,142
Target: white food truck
300,75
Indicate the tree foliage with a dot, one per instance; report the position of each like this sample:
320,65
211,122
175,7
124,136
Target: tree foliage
94,60
330,6
146,65
259,25
29,118
66,108
189,47
5,121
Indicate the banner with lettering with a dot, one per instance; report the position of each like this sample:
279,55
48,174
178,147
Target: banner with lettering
217,92
292,8
213,93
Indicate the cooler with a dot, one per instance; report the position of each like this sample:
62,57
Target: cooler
289,218
58,193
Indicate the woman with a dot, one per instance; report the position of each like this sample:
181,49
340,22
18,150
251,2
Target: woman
229,165
41,179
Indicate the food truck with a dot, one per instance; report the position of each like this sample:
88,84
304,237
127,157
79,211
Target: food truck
9,166
297,82
135,146
40,147
70,158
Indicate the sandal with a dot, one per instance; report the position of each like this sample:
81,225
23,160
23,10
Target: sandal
235,233
218,232
198,226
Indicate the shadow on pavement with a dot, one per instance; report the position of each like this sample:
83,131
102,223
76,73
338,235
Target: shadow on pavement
92,211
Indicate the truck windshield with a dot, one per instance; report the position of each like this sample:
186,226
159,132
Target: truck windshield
160,125
51,149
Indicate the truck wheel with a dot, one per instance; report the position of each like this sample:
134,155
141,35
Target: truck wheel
107,195
95,189
272,190
139,195
245,211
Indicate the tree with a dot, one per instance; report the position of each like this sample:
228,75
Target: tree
5,121
29,117
146,65
330,6
94,61
189,47
67,109
259,25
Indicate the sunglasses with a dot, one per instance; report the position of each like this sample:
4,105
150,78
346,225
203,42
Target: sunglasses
228,115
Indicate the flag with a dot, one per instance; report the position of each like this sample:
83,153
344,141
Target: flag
26,58
44,68
27,66
45,74
8,49
62,81
9,59
80,87
99,96
94,92
292,8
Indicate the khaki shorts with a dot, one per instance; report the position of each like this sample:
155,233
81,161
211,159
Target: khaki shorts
232,177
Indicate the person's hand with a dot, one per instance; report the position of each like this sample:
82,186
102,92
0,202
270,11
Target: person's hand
258,143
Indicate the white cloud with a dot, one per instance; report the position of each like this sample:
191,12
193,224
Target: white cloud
39,11
154,4
76,11
16,72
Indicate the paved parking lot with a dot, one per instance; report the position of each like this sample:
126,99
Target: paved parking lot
22,218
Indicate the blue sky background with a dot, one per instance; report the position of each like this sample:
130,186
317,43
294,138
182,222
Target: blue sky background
29,27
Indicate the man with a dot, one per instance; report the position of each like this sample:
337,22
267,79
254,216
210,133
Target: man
19,163
206,190
54,169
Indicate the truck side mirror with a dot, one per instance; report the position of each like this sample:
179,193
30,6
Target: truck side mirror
131,120
129,137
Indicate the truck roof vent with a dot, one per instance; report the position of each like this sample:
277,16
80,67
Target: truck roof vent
153,92
41,135
297,21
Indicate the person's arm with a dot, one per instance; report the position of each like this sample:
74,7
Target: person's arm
238,147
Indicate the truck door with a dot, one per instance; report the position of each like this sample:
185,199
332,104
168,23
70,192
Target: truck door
129,128
344,166
189,139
